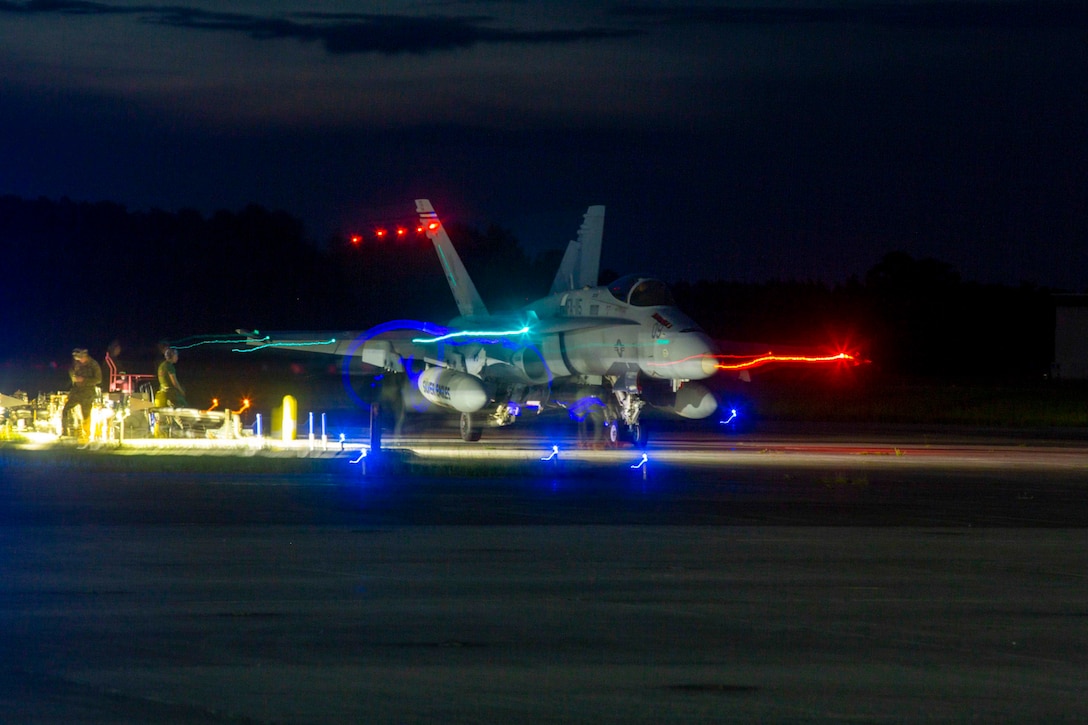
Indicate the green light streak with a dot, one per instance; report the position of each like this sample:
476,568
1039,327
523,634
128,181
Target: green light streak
470,333
300,343
227,341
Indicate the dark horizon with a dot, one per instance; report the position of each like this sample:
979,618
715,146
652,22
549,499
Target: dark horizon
142,278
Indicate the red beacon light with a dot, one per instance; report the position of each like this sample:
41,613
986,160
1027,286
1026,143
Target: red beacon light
401,231
380,233
356,239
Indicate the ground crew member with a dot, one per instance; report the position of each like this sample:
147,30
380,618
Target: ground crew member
85,374
170,391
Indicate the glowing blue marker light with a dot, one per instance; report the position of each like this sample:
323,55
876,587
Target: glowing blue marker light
361,460
641,463
554,454
732,415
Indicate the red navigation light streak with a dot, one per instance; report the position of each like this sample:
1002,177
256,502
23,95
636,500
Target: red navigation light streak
770,357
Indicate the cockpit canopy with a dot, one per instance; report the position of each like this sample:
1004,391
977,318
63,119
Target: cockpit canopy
639,291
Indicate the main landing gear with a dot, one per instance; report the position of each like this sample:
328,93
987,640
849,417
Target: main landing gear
619,432
625,425
471,428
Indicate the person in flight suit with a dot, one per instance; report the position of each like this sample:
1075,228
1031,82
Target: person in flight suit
85,374
170,391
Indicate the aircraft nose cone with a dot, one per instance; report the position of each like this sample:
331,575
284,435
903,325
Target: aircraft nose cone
710,365
701,360
695,358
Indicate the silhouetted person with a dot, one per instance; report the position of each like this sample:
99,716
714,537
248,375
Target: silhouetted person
112,352
85,374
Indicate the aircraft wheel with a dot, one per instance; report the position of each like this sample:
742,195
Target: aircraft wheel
614,433
638,435
470,430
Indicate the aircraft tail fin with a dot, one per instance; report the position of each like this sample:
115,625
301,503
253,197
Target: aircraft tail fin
469,302
582,261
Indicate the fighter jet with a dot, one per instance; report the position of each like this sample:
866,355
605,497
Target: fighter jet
600,351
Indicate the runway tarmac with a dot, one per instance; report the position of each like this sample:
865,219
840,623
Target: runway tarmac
808,575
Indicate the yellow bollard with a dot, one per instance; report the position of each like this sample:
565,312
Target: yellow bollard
290,417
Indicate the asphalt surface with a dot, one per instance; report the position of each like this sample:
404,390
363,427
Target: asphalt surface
887,577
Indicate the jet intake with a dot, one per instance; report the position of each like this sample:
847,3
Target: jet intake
531,365
453,389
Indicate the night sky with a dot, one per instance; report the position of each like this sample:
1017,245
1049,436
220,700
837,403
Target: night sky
732,140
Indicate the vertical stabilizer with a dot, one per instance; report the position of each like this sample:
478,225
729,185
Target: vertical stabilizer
469,302
581,263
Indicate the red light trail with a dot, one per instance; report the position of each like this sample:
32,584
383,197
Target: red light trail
770,357
397,231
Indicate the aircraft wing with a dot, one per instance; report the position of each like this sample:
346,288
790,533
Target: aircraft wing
464,291
514,326
8,401
385,347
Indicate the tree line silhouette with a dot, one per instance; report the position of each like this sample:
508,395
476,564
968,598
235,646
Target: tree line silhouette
79,273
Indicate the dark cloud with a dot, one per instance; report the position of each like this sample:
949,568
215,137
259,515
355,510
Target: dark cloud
339,33
934,15
69,7
385,34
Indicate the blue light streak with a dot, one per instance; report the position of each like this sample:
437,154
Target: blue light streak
364,337
584,406
641,463
554,454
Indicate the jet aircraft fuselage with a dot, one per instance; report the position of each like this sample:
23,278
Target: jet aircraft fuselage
643,332
587,348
